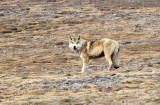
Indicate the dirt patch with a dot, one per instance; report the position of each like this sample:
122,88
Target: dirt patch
37,67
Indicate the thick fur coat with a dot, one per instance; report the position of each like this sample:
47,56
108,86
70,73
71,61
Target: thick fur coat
95,49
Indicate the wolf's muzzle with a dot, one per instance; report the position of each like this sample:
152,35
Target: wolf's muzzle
74,47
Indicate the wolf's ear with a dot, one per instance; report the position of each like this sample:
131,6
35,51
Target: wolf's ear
79,38
70,38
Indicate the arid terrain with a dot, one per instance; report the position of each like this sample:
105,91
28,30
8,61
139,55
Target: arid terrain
38,68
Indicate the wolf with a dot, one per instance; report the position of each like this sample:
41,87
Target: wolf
96,49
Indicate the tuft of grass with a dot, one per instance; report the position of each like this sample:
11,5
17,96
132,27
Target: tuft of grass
37,103
127,17
113,74
157,100
9,85
38,92
24,77
86,86
65,101
150,64
145,59
151,100
1,14
138,81
124,97
76,90
148,100
129,82
68,75
149,71
158,62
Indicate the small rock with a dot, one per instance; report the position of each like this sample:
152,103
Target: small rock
1,14
45,82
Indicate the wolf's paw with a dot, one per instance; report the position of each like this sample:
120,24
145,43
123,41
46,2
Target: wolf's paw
116,67
82,71
108,70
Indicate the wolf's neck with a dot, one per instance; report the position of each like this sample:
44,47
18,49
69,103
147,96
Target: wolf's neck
84,46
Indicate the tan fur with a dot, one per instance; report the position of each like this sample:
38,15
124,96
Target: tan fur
95,49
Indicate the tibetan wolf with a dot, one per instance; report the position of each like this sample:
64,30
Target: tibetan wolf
95,49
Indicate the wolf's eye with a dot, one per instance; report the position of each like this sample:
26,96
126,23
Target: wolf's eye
78,42
72,42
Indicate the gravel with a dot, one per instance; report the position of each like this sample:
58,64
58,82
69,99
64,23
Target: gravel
76,83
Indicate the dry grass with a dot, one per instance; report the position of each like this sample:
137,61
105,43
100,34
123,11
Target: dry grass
37,67
118,3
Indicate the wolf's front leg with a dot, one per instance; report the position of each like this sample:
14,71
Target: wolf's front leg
85,64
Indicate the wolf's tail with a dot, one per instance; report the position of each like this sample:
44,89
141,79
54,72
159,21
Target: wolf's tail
115,56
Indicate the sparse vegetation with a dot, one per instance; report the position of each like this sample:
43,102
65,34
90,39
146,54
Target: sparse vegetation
37,67
158,62
113,74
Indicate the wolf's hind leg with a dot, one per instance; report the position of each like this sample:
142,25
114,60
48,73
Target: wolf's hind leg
108,51
115,58
108,58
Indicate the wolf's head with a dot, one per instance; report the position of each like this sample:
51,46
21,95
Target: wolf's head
75,43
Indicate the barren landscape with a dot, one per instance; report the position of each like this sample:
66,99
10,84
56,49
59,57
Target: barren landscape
38,68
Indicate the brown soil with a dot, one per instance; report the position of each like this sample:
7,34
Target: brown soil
38,68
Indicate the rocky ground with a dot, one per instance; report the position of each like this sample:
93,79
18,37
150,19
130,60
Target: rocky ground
38,68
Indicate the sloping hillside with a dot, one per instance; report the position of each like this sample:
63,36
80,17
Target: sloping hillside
38,68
